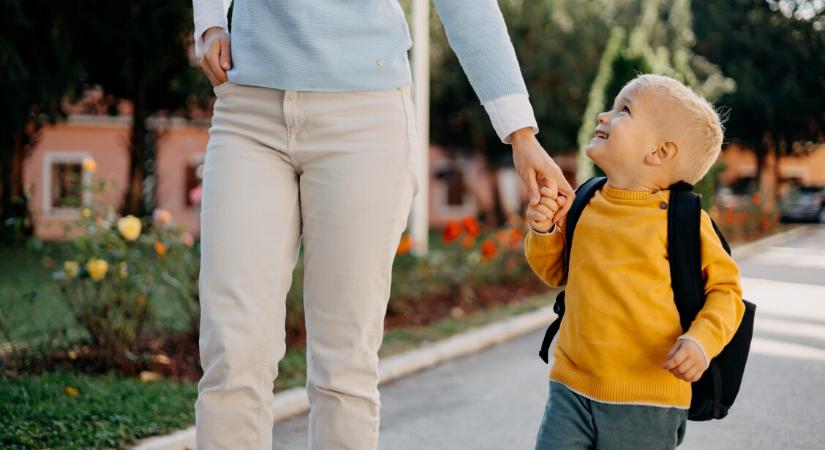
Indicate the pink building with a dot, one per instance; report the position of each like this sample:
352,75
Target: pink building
51,171
459,186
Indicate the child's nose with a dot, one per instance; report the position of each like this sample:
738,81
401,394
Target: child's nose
602,118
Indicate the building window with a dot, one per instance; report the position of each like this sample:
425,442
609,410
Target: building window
66,183
63,181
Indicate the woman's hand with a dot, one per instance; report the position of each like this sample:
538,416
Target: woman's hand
536,169
216,59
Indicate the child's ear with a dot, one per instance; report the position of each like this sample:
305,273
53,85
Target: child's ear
663,153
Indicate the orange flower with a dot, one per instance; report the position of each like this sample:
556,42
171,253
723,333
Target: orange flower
468,241
472,226
452,231
488,249
516,236
405,245
160,249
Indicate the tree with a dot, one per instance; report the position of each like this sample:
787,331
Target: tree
558,44
36,72
140,51
657,39
776,53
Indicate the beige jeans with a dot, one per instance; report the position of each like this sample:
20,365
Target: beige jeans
335,171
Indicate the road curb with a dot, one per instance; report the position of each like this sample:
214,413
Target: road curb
293,402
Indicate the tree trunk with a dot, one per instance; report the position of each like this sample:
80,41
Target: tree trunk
137,153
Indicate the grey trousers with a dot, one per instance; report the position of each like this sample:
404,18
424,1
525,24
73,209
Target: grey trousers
573,422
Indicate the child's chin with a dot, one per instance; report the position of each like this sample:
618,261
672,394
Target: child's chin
594,152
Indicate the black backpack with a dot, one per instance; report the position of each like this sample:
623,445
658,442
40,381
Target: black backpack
715,392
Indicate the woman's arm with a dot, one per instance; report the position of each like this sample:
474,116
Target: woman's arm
478,35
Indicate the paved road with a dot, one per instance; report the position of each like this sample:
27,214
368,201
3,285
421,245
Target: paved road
494,400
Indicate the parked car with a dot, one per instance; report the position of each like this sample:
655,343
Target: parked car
803,203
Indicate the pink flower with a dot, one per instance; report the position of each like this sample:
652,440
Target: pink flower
162,217
195,195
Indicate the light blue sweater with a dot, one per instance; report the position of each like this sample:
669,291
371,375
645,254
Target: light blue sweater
358,45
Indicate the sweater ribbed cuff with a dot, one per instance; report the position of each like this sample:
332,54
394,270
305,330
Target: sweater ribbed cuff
541,241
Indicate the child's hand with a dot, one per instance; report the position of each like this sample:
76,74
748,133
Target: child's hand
686,361
540,217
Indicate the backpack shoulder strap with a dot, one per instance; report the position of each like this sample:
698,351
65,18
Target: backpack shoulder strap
685,251
583,195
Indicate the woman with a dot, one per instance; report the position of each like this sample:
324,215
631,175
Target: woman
313,138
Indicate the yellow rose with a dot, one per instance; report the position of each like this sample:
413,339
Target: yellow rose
97,268
129,227
86,213
71,268
89,165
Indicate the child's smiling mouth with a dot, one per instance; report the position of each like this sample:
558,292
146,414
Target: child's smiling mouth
601,134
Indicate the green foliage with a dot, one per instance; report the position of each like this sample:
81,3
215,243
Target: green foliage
776,53
106,412
558,43
659,40
109,276
36,69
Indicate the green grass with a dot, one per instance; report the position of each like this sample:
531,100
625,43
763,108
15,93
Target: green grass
29,298
108,411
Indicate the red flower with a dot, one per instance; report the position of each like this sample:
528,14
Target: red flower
756,198
516,237
452,231
472,226
488,249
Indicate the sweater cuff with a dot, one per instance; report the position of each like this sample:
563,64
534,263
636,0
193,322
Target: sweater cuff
510,113
542,241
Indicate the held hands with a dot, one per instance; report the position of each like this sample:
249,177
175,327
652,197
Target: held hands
216,59
540,216
686,361
536,169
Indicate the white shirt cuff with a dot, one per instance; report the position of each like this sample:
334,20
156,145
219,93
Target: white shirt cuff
208,14
510,113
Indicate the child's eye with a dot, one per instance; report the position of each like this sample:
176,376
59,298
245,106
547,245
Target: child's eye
626,109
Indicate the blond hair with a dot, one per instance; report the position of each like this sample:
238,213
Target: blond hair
701,134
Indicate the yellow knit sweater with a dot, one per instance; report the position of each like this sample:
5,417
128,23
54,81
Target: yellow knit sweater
621,320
